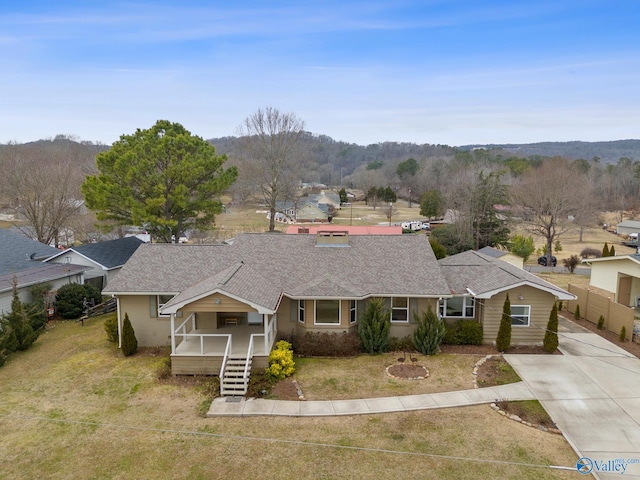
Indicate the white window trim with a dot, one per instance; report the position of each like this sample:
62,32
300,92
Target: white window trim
353,312
392,309
315,310
301,310
465,299
160,305
528,316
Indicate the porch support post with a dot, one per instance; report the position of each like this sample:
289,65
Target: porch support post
173,333
265,323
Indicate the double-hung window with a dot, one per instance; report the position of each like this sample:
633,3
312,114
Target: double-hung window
399,309
301,317
353,311
161,301
520,315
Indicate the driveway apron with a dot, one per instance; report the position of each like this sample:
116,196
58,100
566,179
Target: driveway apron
592,393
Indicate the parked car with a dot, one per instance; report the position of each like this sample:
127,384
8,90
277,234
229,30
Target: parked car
543,261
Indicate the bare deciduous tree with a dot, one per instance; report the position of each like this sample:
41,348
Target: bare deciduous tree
269,155
551,194
43,183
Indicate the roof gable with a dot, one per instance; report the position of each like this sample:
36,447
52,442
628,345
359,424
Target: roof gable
110,254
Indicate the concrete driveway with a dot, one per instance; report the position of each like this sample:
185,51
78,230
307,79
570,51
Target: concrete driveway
592,393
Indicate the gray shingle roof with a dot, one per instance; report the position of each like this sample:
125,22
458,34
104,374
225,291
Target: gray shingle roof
16,248
39,273
481,274
493,252
110,254
291,264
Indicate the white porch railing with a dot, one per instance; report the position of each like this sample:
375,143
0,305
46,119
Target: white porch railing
269,336
227,352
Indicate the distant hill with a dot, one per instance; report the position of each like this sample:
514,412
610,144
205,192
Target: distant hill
607,152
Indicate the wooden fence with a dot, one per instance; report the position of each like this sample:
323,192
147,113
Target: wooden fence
593,304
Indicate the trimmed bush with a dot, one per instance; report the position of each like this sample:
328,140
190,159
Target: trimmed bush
111,328
325,344
550,342
429,332
70,299
590,253
129,341
281,364
623,334
605,250
374,327
576,314
601,322
404,344
464,332
503,340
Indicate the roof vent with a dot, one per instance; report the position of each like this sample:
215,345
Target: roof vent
329,238
303,230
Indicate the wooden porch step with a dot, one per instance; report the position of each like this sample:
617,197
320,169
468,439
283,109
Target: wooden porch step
234,382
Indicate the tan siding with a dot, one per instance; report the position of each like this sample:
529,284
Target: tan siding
592,305
227,304
149,331
541,304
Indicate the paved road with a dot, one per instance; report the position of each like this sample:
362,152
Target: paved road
592,393
557,269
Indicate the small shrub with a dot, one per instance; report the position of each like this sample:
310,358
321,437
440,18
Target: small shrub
71,297
326,344
129,341
429,332
601,322
111,328
503,340
560,306
576,314
550,342
558,246
571,263
374,327
612,251
605,250
464,332
590,253
403,344
450,334
281,364
623,334
438,249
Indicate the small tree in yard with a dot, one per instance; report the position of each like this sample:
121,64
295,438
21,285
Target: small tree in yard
129,341
550,342
111,328
375,327
429,333
503,340
612,251
571,263
577,312
623,334
605,250
19,322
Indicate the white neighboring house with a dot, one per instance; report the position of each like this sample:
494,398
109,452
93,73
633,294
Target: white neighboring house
102,260
21,261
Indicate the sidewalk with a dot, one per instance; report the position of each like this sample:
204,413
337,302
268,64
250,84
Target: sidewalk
241,407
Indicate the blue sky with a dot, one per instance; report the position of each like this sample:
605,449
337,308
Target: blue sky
449,72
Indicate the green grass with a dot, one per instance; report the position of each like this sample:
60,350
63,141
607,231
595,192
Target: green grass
73,407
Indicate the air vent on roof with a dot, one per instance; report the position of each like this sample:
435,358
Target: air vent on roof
303,230
328,238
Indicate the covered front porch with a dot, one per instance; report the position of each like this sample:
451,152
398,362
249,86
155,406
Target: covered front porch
202,346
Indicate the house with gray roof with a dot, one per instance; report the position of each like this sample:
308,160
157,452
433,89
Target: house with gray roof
21,262
504,255
221,307
479,287
102,259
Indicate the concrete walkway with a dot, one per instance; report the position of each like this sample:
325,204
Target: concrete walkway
592,393
237,407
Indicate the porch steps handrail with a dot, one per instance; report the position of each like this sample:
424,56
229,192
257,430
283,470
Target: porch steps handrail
227,352
250,354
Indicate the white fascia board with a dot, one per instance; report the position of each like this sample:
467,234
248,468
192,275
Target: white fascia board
562,295
177,306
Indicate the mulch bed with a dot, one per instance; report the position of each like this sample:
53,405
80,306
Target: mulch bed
491,349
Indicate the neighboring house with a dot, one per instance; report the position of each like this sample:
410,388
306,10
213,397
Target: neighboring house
480,284
619,274
21,261
103,259
503,255
303,211
332,200
220,305
350,229
627,227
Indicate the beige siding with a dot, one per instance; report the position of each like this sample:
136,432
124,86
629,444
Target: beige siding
227,304
604,274
541,304
592,305
149,331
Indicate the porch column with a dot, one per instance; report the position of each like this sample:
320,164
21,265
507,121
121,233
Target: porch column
119,320
173,333
265,323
